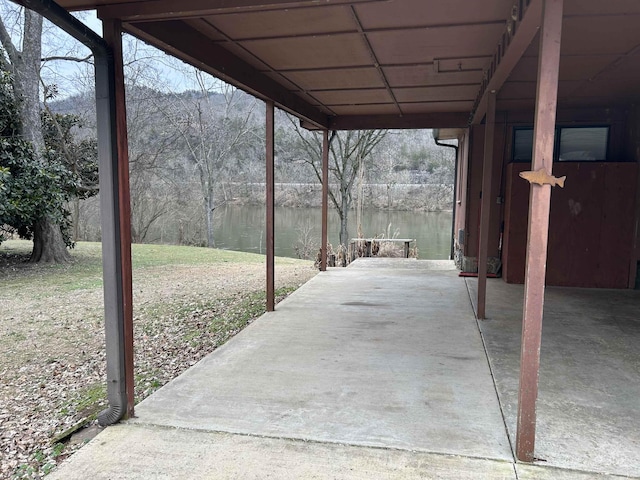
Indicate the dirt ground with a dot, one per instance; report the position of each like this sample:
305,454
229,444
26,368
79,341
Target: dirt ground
52,360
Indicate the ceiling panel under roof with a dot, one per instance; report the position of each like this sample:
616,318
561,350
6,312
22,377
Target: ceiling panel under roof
392,63
287,23
338,78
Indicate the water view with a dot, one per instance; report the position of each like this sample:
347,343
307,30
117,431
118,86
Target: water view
242,228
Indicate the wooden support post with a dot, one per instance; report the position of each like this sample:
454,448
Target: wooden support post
539,203
485,212
113,37
324,247
635,245
270,200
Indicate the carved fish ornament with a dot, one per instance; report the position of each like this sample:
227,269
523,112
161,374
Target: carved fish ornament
541,177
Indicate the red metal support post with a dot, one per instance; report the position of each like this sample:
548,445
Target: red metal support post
325,201
113,37
485,212
270,200
539,203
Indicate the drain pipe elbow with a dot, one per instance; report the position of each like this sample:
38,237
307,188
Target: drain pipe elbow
113,414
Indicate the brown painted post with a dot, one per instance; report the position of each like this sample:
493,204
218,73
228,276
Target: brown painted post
270,243
633,259
113,36
325,201
485,212
539,202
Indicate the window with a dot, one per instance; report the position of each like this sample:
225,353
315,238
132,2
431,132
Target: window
583,144
523,145
578,144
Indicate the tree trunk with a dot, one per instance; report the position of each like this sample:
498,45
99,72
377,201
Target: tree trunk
208,205
344,219
76,219
48,244
135,236
26,83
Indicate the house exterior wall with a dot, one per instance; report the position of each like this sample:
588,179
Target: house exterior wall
633,152
474,164
591,225
592,232
460,207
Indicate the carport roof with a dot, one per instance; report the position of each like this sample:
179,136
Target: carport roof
346,64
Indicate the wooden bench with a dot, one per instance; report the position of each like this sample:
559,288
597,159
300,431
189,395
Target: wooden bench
367,243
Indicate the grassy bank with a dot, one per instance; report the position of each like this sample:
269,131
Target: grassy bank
86,267
187,301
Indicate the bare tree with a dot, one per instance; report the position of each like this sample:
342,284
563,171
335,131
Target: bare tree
216,128
348,152
152,150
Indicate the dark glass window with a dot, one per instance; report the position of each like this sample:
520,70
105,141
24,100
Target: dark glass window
581,144
523,145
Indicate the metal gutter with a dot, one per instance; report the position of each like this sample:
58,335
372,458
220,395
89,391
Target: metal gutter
436,132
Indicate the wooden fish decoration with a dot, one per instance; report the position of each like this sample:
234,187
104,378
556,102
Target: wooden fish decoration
541,177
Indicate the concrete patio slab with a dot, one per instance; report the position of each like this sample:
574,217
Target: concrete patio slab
140,452
389,357
539,472
379,371
589,395
132,452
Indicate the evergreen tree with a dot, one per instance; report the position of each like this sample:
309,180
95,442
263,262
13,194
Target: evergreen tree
33,186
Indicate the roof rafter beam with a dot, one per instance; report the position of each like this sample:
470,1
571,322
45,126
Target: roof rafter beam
165,9
375,29
180,40
374,58
521,28
386,65
407,121
267,72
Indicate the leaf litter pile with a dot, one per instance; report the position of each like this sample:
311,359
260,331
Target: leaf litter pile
52,359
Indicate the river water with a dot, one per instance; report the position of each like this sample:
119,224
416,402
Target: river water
242,228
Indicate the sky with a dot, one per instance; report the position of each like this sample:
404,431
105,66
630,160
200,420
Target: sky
143,64
150,66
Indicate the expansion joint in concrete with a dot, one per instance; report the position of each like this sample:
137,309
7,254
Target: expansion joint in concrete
493,378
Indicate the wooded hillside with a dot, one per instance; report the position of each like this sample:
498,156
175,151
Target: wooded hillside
195,151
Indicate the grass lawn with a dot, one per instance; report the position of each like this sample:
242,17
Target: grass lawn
187,301
86,268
